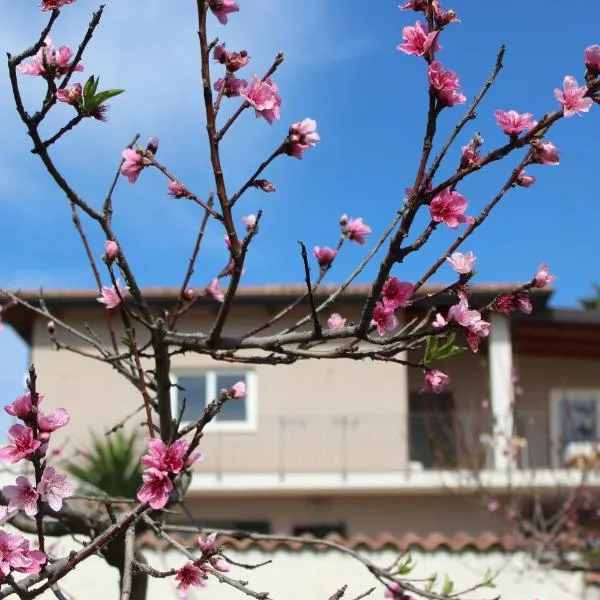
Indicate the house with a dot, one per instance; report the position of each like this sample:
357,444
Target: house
354,448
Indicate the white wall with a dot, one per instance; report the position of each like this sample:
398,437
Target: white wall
314,575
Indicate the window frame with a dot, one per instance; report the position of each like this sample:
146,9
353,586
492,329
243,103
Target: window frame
556,395
250,424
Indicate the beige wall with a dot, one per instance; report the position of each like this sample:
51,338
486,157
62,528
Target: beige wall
369,515
313,416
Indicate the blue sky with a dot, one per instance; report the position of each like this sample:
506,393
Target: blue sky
341,69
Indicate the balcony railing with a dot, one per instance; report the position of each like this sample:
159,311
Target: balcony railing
374,443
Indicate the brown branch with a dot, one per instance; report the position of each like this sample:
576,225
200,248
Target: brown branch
317,329
255,176
128,564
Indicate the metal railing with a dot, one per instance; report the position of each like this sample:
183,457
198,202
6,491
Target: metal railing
374,443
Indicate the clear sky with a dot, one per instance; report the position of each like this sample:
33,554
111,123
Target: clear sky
341,69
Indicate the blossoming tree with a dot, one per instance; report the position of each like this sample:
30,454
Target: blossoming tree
36,504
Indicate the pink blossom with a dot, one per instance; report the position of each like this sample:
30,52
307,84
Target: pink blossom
51,327
418,40
439,321
22,496
156,488
545,153
54,487
22,406
463,315
249,222
396,293
462,263
449,207
469,155
54,4
15,554
231,85
445,83
70,96
220,564
384,318
232,60
189,293
189,575
301,137
591,57
572,97
177,190
221,8
237,391
524,180
514,123
517,301
263,97
435,381
325,256
49,423
166,458
264,185
214,291
112,296
443,17
355,230
56,61
23,444
416,5
208,545
477,331
395,591
336,321
111,250
132,165
542,277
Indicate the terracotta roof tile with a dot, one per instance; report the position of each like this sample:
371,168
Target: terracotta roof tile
459,542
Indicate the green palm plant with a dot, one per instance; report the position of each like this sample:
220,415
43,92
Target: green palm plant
112,466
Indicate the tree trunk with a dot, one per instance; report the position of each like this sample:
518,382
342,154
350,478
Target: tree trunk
114,555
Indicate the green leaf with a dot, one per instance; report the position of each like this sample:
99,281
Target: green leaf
488,579
89,89
435,351
431,582
448,586
102,97
406,566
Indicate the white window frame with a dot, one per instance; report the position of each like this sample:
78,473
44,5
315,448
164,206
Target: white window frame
556,395
215,426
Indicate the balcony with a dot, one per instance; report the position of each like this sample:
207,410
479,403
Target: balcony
320,452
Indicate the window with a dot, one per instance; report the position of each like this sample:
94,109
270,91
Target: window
321,530
200,388
432,430
574,424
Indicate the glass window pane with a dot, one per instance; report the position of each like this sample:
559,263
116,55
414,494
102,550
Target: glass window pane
194,392
232,410
578,420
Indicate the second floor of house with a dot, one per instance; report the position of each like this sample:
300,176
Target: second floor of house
529,401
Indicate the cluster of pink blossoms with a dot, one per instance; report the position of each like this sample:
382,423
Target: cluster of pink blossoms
395,295
29,441
49,62
195,574
162,462
54,4
419,41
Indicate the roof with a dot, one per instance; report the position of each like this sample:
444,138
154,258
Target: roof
272,295
547,331
484,541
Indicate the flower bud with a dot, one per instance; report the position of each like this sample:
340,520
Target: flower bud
264,185
111,250
152,145
51,327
